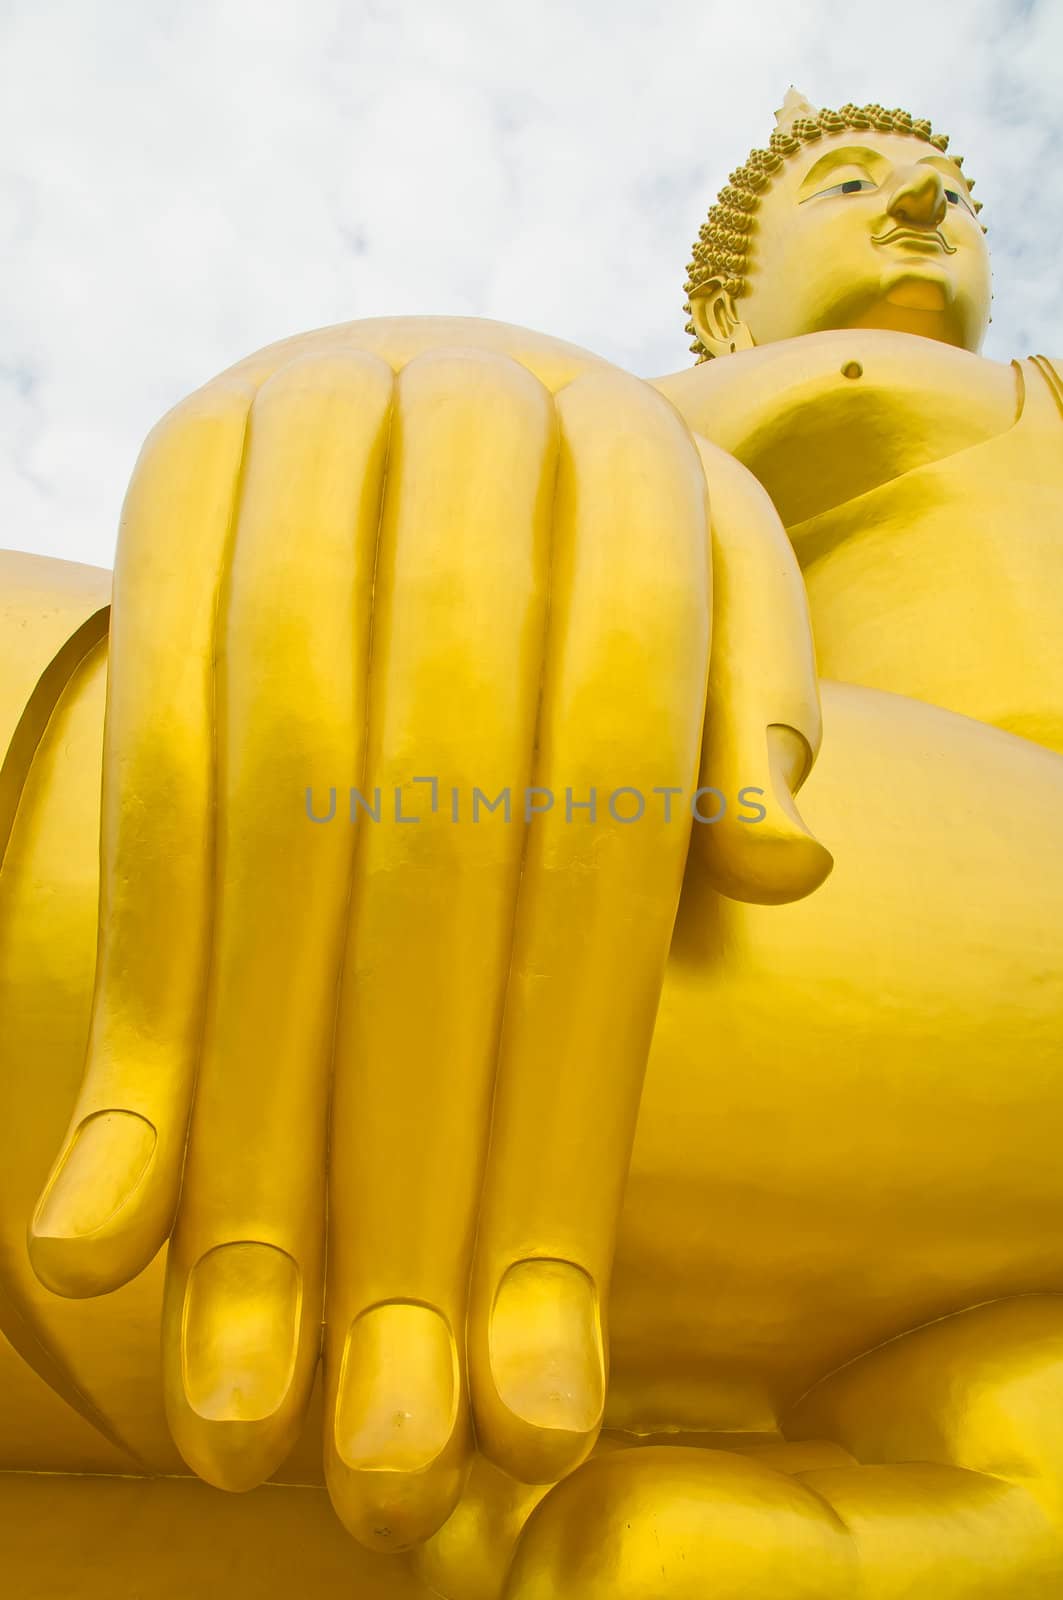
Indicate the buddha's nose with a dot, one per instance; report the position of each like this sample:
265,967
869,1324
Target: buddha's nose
920,198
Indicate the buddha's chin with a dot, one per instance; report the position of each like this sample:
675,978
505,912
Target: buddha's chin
919,301
924,290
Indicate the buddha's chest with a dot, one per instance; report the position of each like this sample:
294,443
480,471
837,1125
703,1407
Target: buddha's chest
947,583
922,488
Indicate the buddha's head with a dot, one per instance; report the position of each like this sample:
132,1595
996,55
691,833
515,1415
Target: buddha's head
849,219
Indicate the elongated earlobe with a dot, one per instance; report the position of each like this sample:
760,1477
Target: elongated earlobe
716,320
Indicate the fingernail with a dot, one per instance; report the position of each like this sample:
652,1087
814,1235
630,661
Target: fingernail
808,862
240,1332
100,1170
789,759
397,1404
545,1346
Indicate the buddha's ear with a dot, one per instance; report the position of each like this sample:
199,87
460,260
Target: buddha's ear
716,320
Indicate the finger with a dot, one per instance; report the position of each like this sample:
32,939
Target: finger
458,631
109,1201
622,708
762,721
242,1317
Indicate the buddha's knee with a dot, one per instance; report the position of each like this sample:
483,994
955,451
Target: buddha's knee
683,1523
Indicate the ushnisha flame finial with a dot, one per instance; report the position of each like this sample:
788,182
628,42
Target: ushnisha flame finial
794,105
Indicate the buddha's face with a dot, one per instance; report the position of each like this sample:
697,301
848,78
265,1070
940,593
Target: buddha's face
868,230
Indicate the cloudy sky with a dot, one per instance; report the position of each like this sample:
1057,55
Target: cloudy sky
185,181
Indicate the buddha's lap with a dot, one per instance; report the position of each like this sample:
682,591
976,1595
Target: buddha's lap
850,1120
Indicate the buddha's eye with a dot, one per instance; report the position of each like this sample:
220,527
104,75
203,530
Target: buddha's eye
954,198
850,186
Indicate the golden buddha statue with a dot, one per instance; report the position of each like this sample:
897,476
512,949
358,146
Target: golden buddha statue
467,1001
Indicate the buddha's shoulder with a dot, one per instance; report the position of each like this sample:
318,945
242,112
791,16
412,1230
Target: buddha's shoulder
821,419
869,369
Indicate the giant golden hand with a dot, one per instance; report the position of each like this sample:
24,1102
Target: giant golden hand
389,553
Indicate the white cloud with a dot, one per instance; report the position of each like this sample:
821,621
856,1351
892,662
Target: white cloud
185,183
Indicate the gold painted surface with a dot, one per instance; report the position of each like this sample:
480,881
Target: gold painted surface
820,1313
40,1432
44,603
101,1355
169,1538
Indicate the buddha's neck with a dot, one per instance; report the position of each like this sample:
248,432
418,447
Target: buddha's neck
826,417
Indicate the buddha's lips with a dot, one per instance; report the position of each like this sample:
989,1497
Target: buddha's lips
933,236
